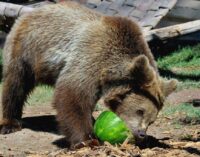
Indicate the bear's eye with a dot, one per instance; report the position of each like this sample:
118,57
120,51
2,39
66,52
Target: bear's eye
140,112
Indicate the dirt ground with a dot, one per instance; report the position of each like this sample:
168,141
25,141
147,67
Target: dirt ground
39,136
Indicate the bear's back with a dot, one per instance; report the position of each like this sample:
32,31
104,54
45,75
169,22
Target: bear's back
46,30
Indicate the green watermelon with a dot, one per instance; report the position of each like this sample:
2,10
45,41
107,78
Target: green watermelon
109,127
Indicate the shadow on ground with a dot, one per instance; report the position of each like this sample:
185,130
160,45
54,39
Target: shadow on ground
45,123
61,143
152,142
192,150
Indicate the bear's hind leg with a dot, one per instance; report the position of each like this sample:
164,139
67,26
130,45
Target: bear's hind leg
18,81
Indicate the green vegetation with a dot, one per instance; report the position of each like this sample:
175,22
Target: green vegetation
41,95
188,113
185,109
184,65
187,59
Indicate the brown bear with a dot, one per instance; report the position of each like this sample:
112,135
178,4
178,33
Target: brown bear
88,57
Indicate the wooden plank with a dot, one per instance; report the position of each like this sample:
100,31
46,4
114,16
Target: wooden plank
116,5
167,3
155,5
148,19
137,13
161,12
147,28
153,17
173,31
2,8
133,18
150,22
193,4
136,3
125,10
144,6
185,13
111,12
103,6
129,3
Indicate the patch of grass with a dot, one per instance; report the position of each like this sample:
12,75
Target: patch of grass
41,95
186,112
186,58
184,108
184,65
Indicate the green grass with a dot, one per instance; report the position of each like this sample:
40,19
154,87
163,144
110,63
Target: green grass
185,58
184,65
41,95
185,114
185,109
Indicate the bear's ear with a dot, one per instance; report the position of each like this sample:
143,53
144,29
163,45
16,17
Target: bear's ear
142,72
168,86
138,70
115,97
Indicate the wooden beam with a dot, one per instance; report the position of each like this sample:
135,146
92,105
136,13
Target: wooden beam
13,10
173,31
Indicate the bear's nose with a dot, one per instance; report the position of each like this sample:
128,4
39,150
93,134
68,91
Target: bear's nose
141,134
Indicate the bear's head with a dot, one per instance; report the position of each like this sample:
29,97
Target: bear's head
135,92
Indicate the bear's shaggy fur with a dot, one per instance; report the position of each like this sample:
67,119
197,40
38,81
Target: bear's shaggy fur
87,57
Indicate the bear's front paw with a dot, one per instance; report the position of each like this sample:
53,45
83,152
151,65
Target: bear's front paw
10,126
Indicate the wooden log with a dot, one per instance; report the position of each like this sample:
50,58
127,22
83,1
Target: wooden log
9,12
13,10
173,31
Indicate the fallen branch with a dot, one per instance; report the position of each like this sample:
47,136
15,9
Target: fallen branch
173,31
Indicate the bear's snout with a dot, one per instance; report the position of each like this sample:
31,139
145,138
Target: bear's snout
139,134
